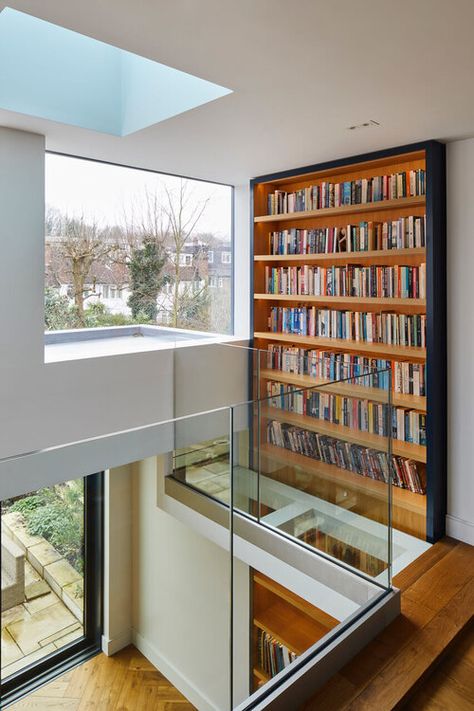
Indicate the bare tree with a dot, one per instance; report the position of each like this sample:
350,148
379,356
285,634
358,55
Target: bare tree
78,246
189,295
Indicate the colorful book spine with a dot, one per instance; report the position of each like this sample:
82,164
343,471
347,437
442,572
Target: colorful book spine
388,328
406,378
355,413
273,656
355,192
364,461
403,282
403,233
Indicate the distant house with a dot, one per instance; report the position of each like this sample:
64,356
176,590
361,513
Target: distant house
201,264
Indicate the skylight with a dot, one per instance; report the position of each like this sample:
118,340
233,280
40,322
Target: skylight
54,73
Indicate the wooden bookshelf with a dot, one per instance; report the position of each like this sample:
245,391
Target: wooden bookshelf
355,303
348,389
359,494
348,434
421,515
407,256
286,617
377,350
345,210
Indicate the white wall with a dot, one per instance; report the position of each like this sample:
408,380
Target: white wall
460,235
117,628
181,594
242,263
48,404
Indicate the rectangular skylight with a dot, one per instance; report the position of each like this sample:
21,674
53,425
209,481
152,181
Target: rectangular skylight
54,73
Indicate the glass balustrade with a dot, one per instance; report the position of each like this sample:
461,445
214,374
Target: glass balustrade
261,527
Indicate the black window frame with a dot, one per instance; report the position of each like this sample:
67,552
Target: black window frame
38,673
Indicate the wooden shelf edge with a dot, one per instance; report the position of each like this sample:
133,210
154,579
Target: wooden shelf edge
366,301
345,209
408,450
260,674
378,255
403,498
305,607
410,353
348,389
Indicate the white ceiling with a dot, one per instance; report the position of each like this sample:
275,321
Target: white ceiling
301,72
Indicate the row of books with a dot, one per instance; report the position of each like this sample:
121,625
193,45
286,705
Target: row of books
350,280
371,463
350,192
349,553
404,233
388,328
273,656
356,413
407,378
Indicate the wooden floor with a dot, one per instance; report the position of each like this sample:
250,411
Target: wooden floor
437,605
451,684
126,682
424,660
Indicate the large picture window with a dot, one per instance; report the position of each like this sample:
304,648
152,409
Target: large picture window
128,246
51,547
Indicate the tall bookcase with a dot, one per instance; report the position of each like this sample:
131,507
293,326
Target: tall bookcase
421,514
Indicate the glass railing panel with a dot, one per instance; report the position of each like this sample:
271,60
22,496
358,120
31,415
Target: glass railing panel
201,455
286,605
328,448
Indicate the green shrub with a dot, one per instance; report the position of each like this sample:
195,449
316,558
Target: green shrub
57,514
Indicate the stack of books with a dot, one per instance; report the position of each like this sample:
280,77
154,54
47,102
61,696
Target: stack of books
404,233
350,280
273,656
364,461
389,328
356,413
351,192
407,378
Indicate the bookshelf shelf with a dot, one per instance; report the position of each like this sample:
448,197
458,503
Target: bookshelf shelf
366,207
286,618
348,389
261,675
418,219
390,257
381,350
402,498
348,434
363,303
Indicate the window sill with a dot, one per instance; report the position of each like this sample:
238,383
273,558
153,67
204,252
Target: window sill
82,344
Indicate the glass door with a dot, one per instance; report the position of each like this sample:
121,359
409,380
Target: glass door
51,566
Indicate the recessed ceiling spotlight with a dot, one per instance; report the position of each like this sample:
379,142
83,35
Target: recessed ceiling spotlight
366,124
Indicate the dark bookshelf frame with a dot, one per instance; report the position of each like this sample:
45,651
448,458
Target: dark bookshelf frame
436,318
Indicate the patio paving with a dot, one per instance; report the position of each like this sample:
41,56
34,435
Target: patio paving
35,628
51,614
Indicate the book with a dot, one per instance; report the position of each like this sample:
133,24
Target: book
405,282
364,461
360,414
405,377
389,328
403,233
273,656
309,528
368,190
